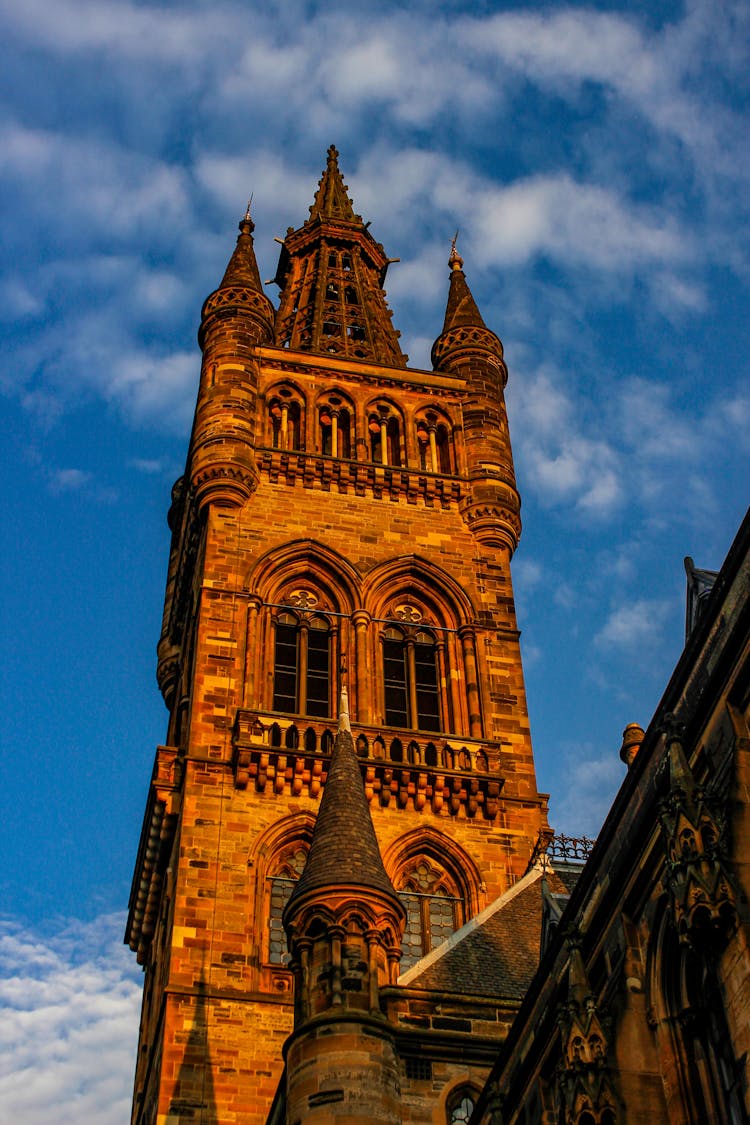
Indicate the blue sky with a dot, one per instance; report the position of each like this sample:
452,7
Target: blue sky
595,160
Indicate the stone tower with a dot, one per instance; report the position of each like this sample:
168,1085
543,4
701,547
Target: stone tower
343,519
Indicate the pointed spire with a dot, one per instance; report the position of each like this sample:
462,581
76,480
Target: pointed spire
331,199
331,273
461,310
243,268
344,849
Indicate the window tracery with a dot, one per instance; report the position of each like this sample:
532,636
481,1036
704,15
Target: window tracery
460,1106
282,883
434,907
335,419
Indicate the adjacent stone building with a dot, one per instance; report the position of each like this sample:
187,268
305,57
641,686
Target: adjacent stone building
346,877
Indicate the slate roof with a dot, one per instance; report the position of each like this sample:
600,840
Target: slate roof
243,268
461,309
344,847
495,954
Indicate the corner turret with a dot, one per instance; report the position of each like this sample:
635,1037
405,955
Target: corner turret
344,922
236,319
466,347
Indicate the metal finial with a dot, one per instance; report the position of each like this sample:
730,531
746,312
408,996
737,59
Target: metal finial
249,205
455,261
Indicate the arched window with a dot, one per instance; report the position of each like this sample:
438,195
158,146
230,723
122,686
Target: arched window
285,418
410,679
282,882
433,444
385,437
335,430
460,1106
302,666
434,908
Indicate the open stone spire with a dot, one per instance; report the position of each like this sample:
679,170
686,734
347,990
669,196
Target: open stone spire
331,272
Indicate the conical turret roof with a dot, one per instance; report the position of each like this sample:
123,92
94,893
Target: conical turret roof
243,268
344,849
461,310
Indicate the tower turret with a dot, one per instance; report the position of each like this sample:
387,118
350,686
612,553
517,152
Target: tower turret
344,923
235,320
466,347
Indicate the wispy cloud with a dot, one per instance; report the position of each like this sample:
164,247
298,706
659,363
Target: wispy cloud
633,626
68,480
586,789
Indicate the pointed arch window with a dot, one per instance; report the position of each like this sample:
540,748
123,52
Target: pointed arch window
385,437
460,1106
434,908
410,679
302,665
282,883
434,445
335,430
285,422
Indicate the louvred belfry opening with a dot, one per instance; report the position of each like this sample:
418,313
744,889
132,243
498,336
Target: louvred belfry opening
331,274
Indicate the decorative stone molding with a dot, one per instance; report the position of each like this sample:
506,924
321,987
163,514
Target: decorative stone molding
156,839
703,900
359,477
469,339
241,298
168,669
584,1079
227,484
281,769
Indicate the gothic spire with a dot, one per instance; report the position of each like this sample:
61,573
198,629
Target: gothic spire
243,268
331,199
344,849
331,272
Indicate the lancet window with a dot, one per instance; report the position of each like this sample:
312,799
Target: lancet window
434,908
410,678
434,444
460,1106
282,882
335,420
302,665
385,436
285,420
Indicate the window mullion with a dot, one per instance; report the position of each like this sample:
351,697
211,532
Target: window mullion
302,664
412,683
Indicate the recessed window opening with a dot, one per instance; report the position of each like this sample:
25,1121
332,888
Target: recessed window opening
434,909
410,680
302,666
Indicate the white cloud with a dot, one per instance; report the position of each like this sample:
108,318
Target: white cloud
586,788
637,624
570,221
561,463
70,1002
68,480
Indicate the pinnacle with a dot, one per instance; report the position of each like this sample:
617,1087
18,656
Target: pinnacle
331,199
243,268
344,848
